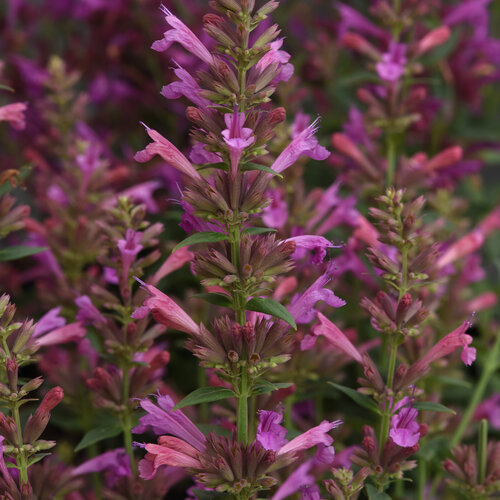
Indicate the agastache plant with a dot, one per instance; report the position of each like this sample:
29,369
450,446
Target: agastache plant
223,195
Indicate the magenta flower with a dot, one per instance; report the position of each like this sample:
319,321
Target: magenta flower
299,478
302,306
276,213
317,244
404,429
175,261
87,313
236,137
433,39
303,144
160,146
180,33
115,465
490,410
49,321
392,66
14,114
52,330
129,248
165,311
351,19
461,248
335,336
187,86
277,56
270,434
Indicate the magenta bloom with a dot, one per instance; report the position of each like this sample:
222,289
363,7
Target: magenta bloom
49,321
275,214
236,137
302,306
317,244
303,144
270,434
392,66
165,311
160,146
87,313
129,248
52,330
180,33
14,114
490,410
115,465
277,56
405,430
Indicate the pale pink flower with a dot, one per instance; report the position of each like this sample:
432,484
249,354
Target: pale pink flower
165,311
174,452
164,148
433,39
68,333
461,248
404,429
277,56
175,261
180,33
236,137
187,86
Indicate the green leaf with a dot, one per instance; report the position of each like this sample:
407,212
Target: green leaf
18,252
357,397
264,386
430,406
208,495
37,458
202,237
374,494
258,230
453,381
96,435
205,395
270,306
218,299
5,87
261,168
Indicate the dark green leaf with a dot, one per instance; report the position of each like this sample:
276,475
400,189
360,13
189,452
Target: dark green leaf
258,230
205,395
453,381
96,435
264,386
202,237
374,494
218,299
261,168
430,406
270,306
18,252
37,458
357,397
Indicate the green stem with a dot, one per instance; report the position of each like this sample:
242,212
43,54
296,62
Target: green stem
23,466
391,159
482,450
243,406
386,416
422,476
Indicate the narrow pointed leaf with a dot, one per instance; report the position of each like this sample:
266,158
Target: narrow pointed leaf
261,168
96,435
430,406
218,299
205,395
18,252
357,397
270,306
202,237
264,386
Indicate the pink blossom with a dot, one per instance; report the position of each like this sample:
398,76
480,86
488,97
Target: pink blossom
236,137
165,311
276,213
270,434
14,114
444,159
335,336
315,243
490,410
433,39
68,333
129,248
392,66
302,306
187,86
304,144
277,56
49,321
352,19
175,261
174,452
312,437
180,33
404,429
164,148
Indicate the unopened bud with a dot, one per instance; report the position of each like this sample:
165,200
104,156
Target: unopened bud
276,116
32,385
233,357
403,306
433,39
12,372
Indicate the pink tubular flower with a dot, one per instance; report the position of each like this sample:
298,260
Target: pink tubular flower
129,248
302,306
404,429
335,336
180,33
270,434
236,137
115,464
433,39
87,313
444,159
175,261
318,244
461,248
14,114
174,452
490,410
165,311
160,146
277,56
187,86
276,213
51,330
392,66
303,144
